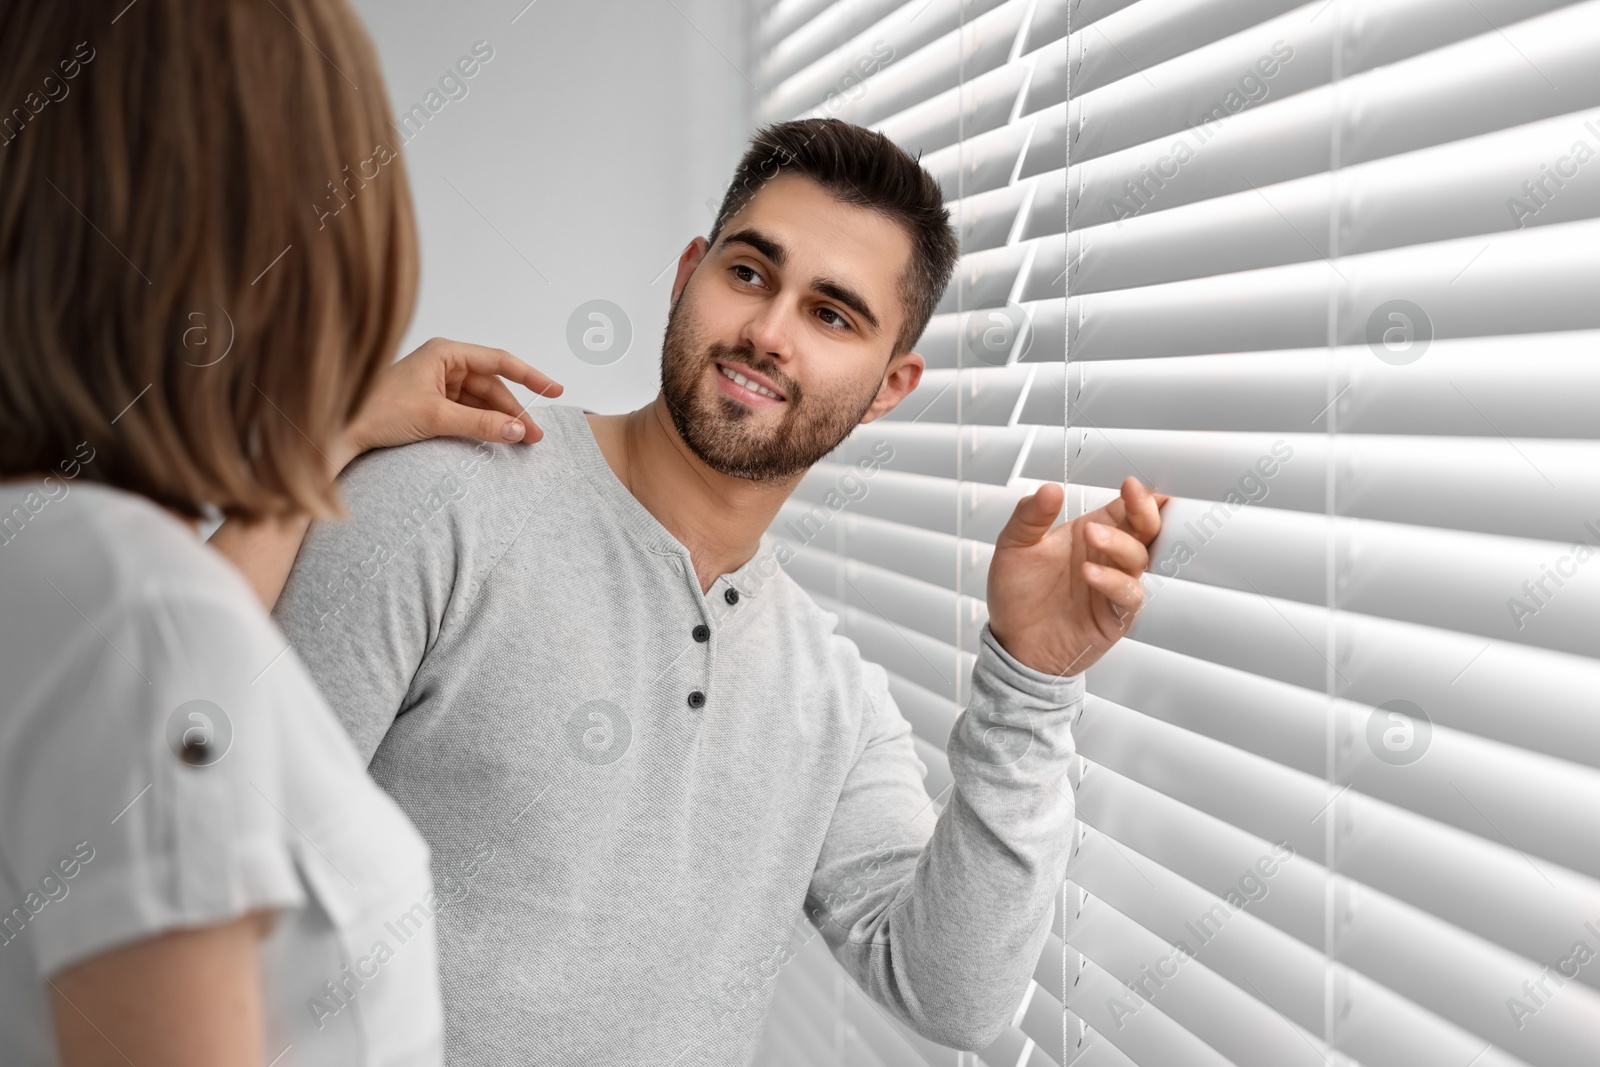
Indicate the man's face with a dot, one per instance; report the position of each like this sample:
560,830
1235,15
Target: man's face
801,295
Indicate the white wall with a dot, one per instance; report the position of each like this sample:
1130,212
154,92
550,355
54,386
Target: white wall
576,167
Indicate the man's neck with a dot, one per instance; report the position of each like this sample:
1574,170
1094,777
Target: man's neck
718,518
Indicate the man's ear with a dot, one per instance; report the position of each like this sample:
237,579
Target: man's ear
687,262
901,376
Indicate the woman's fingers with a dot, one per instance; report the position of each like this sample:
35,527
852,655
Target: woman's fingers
498,362
446,388
450,418
481,402
488,392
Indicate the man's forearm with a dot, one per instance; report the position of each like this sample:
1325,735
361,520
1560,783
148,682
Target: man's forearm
946,937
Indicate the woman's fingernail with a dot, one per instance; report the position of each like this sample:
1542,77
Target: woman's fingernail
512,431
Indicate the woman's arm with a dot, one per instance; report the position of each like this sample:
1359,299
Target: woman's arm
443,389
189,998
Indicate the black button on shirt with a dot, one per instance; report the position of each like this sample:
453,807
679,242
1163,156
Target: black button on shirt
702,632
697,699
731,596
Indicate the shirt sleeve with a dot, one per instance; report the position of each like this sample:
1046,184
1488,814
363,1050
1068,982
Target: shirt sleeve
369,595
133,789
943,921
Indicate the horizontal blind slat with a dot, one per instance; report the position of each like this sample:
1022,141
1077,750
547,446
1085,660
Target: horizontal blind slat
1147,1037
1279,804
981,453
1050,23
986,220
987,396
957,338
1295,391
978,164
1473,883
785,17
1047,215
1042,1023
1465,981
970,109
1235,1026
1211,87
1472,88
1219,929
984,279
1527,281
1253,956
1262,798
903,32
1131,41
912,605
975,511
981,44
1434,194
925,555
1201,848
1545,489
811,40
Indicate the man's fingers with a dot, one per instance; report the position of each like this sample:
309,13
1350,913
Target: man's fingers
1121,589
1142,509
1035,514
1121,549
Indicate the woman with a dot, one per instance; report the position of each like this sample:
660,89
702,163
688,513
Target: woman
194,867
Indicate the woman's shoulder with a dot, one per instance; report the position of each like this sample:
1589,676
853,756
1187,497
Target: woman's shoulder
160,723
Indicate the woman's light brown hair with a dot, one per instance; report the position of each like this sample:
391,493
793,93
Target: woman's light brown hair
213,176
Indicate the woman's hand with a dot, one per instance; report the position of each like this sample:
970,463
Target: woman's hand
444,389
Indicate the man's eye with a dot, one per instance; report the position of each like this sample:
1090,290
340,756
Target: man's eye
746,274
833,318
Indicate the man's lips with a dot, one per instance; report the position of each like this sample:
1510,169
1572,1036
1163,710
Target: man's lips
734,388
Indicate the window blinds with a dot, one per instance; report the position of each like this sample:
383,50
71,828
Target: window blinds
1330,280
977,89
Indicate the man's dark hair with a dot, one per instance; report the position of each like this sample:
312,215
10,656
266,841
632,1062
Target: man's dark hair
861,167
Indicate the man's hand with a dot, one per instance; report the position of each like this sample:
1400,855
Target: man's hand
444,389
1060,597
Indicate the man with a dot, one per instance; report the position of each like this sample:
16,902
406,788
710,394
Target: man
634,744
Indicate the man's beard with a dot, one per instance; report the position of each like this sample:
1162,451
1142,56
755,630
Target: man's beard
722,431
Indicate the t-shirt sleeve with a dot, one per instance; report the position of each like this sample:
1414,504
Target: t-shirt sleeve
139,783
369,595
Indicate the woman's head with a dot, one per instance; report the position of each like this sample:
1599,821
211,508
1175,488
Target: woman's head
175,287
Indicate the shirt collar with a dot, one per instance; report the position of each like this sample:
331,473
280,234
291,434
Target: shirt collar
749,578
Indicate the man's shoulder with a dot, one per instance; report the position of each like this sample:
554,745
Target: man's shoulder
459,469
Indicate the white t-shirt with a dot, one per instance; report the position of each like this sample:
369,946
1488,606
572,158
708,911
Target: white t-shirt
166,762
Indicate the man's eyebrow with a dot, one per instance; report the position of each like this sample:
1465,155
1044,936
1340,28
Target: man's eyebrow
846,296
829,288
760,242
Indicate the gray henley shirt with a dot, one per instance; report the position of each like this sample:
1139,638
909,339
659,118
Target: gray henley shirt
634,792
